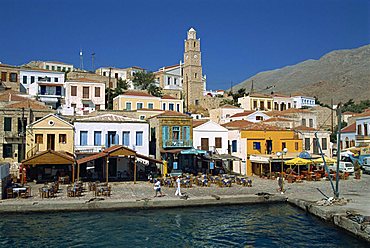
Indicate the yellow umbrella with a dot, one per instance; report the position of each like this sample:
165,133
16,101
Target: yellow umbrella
298,161
328,160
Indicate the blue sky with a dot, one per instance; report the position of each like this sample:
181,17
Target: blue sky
239,38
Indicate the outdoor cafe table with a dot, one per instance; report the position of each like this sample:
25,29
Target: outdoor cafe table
19,190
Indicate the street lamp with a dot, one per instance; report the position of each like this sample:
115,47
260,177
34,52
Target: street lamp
281,154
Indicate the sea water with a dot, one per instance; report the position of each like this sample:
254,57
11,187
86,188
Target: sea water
262,225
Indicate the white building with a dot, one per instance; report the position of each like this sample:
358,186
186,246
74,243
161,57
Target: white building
84,96
210,136
252,116
126,74
170,77
93,134
51,65
222,114
348,136
47,86
303,101
363,129
307,134
282,102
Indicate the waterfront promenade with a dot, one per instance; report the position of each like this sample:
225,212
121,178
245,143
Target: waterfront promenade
141,195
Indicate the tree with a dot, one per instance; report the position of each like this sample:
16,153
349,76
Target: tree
240,93
122,86
146,81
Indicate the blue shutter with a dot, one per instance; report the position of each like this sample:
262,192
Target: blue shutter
234,146
164,133
106,141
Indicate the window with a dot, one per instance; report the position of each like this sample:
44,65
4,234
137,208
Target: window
142,117
303,122
73,105
56,79
22,126
39,79
83,138
262,105
283,145
365,129
296,146
359,131
13,77
97,106
104,73
126,138
97,91
195,75
256,145
64,69
175,81
171,106
178,107
53,68
39,138
218,142
186,133
48,79
85,92
310,121
7,124
116,75
73,90
164,106
128,106
307,144
7,151
324,144
24,80
254,104
63,138
139,105
139,138
289,105
259,118
234,147
269,105
32,79
97,138
3,76
175,133
168,81
59,68
150,106
47,67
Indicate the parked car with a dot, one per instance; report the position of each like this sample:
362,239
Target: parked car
366,165
343,167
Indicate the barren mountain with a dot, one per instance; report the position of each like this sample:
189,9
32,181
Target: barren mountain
341,75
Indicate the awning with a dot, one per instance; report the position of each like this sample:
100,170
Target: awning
50,84
225,157
193,151
49,99
173,151
50,157
259,159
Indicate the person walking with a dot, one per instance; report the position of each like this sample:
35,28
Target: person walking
157,188
280,180
178,184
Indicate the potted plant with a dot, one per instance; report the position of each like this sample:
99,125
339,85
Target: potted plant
357,171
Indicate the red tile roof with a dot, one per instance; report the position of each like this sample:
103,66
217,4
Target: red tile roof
169,97
28,104
304,128
10,95
197,123
229,106
263,127
84,80
137,93
245,113
276,119
170,114
239,124
349,129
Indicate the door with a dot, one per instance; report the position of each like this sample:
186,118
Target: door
51,141
269,146
315,146
204,144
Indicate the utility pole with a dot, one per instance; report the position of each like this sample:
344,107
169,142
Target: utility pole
20,154
252,88
332,116
339,113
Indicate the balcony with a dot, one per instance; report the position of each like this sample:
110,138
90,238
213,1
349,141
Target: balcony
12,135
362,137
172,143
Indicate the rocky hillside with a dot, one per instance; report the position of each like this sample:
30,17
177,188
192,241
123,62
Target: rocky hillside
341,75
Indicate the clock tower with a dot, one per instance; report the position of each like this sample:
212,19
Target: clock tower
193,85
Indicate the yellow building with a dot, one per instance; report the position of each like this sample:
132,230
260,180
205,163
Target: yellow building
136,100
263,144
49,133
256,101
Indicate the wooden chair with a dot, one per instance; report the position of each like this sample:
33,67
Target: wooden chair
9,193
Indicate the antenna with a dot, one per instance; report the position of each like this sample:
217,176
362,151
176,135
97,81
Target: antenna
252,88
93,61
81,60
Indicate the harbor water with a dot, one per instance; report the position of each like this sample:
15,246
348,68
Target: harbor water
275,225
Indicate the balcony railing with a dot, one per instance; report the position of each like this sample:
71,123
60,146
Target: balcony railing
177,143
362,137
